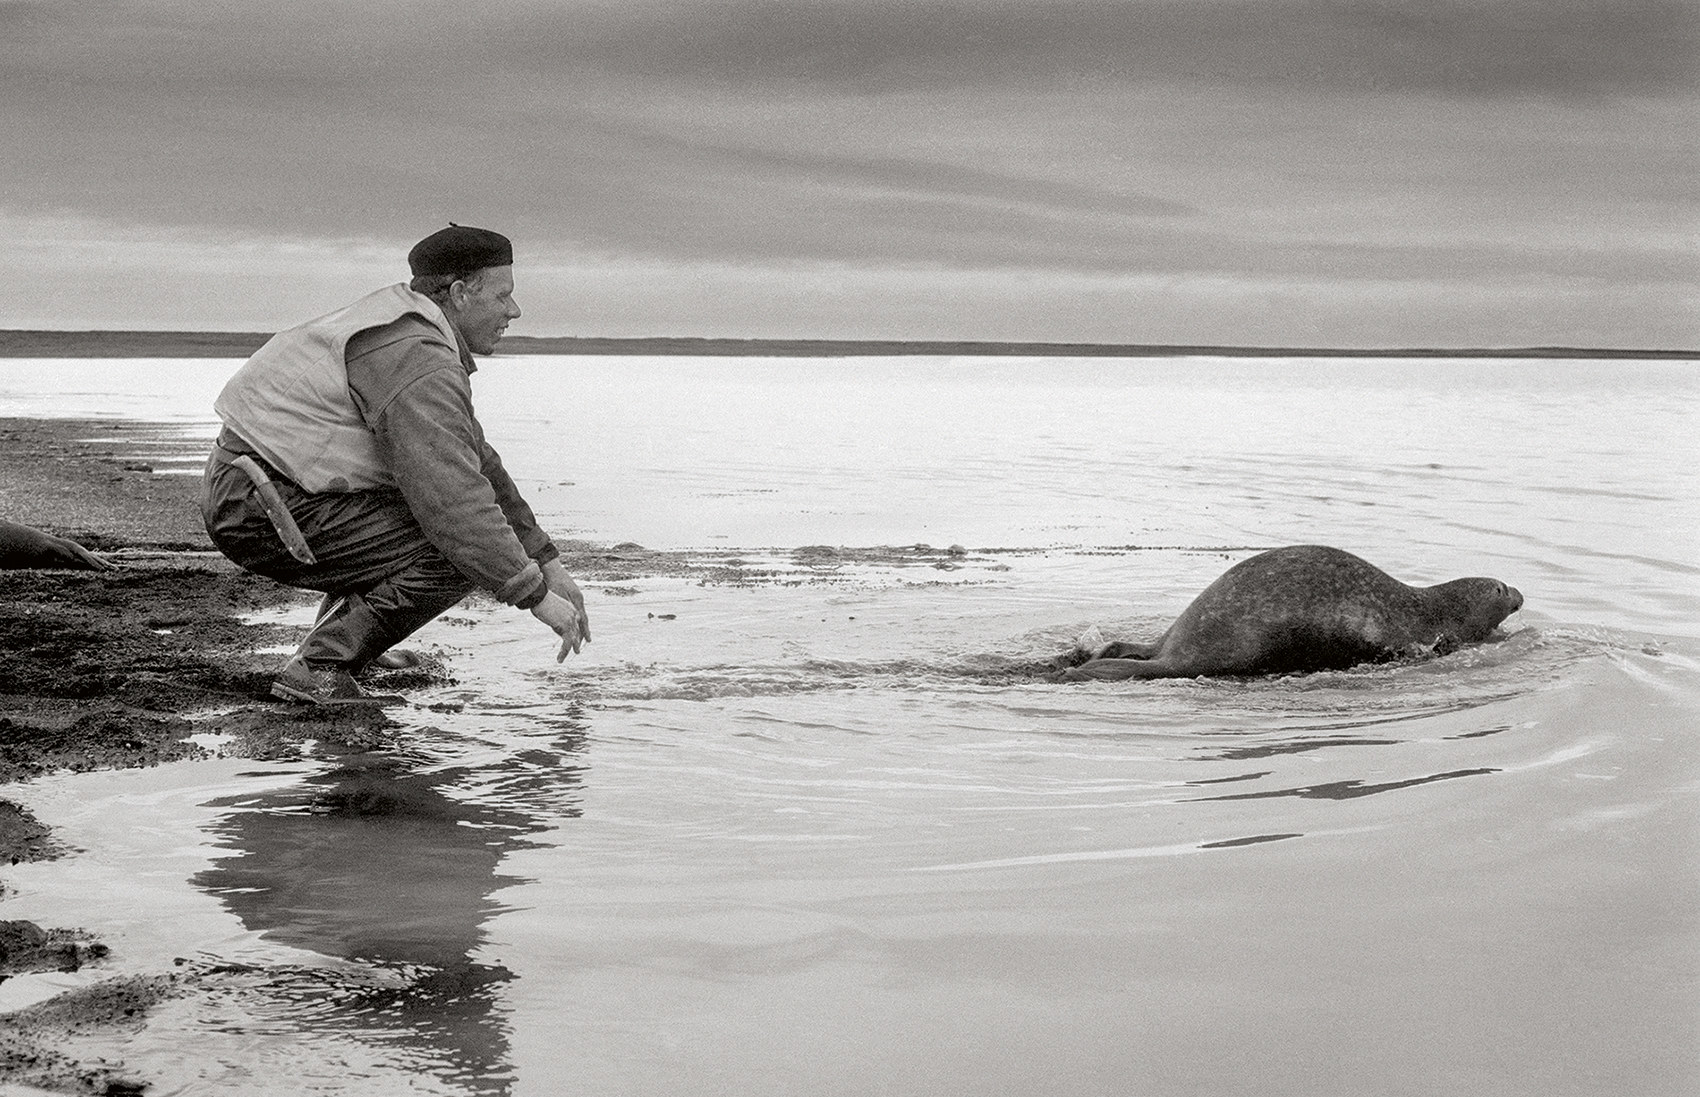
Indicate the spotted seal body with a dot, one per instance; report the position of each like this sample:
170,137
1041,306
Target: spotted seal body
28,547
1304,608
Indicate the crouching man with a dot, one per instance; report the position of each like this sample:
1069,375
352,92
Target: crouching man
351,462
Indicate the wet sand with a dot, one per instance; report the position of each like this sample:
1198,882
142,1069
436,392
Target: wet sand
103,668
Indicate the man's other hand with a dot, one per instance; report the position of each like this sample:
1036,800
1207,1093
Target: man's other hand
562,584
567,621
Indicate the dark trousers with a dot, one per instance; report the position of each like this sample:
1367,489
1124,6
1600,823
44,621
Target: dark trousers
382,579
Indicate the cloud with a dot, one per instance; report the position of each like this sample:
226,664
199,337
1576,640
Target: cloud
1361,141
1463,47
1460,47
624,298
85,272
91,274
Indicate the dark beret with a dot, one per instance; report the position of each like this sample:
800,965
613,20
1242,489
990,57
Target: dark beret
460,250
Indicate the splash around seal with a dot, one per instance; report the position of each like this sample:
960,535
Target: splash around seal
1308,608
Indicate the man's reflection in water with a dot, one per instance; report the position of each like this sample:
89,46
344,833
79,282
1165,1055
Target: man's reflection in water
385,861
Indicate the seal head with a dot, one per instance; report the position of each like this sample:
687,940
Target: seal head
1472,608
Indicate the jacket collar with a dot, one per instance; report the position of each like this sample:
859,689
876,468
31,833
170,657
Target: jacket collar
465,353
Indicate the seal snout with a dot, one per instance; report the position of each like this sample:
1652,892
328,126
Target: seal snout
1516,598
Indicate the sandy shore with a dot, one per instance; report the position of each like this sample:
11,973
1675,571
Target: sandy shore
102,666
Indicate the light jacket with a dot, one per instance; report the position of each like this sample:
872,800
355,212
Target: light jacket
377,396
290,401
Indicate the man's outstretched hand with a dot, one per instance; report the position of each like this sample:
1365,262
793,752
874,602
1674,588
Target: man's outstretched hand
561,583
567,621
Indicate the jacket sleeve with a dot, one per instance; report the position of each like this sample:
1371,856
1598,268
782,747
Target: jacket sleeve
435,448
523,522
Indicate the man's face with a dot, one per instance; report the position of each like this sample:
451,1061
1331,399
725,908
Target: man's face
482,312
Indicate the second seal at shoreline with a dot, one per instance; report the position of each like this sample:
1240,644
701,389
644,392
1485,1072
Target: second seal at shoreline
24,546
1306,608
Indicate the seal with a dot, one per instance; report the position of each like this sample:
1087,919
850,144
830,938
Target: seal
1305,608
28,547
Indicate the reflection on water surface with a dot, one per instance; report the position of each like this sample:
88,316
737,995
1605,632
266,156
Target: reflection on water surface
391,860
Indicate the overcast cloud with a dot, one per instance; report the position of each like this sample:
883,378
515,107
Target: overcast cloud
1480,172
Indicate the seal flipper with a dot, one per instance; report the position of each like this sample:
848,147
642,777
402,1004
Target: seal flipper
1123,649
1115,670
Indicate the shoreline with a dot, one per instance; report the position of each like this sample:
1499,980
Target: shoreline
43,343
115,669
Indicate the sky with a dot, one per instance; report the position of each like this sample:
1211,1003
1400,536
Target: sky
1347,173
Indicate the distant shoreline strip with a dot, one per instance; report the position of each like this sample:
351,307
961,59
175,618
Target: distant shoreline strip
240,344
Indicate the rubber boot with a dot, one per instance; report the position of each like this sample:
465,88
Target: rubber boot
355,628
324,685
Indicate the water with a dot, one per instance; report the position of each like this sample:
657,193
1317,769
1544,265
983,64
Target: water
804,832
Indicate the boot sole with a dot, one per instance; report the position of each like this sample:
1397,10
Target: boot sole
302,697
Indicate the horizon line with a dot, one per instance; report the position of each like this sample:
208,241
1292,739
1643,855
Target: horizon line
148,343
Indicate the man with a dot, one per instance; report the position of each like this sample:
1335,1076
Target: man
351,463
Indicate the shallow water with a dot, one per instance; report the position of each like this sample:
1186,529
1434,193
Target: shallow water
805,828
